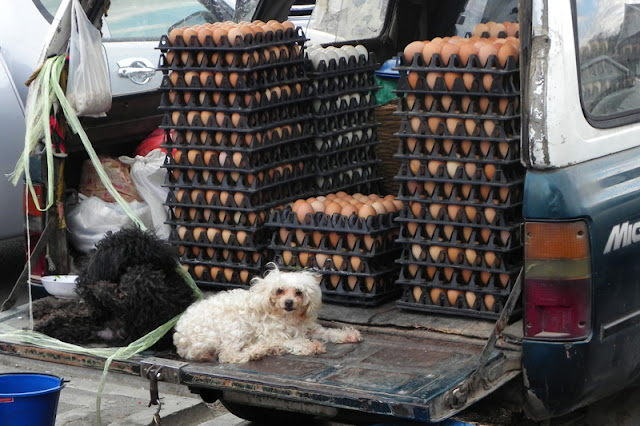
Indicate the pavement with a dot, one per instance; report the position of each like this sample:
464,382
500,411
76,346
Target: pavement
125,398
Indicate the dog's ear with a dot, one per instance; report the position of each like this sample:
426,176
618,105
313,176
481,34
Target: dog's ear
313,292
262,291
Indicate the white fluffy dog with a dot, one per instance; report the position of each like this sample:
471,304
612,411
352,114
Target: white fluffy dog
276,315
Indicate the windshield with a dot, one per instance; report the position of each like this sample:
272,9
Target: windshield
483,11
150,19
609,56
342,20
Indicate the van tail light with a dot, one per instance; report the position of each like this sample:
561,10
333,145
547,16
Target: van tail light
557,285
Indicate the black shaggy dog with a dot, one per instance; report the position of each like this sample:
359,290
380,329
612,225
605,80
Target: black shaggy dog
128,287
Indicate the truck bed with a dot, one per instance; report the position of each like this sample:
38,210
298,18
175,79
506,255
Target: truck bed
409,365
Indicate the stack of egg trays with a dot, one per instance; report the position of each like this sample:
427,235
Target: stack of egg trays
344,103
254,106
461,179
365,246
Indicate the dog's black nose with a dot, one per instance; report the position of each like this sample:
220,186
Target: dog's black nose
288,304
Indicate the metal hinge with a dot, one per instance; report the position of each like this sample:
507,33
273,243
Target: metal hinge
483,375
170,368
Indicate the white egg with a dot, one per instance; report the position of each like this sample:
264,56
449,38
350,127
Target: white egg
351,51
331,54
317,56
362,51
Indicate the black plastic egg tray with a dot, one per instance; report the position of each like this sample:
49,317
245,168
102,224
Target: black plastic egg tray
360,68
257,50
504,80
364,178
355,255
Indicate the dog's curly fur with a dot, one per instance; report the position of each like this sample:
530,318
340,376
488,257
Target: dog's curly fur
276,315
128,287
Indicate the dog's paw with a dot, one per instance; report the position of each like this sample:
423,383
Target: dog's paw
315,347
351,335
233,357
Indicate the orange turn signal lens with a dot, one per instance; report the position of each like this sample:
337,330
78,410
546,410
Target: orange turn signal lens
556,240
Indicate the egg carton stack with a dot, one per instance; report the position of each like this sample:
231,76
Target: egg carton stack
460,175
237,114
345,126
350,240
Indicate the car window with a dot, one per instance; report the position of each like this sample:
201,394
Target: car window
608,36
48,8
150,19
336,20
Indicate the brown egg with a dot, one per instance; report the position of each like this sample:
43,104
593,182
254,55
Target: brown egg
366,210
202,35
432,79
173,35
489,214
355,262
352,281
470,298
486,50
450,79
447,51
429,50
412,49
480,29
512,29
471,213
434,295
467,50
190,36
489,258
321,260
334,280
452,296
453,253
417,292
303,258
348,209
489,301
235,36
412,79
434,210
506,51
302,211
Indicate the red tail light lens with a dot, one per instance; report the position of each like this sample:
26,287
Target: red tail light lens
557,286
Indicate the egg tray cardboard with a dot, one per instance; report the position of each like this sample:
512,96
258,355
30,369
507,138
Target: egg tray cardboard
428,232
326,109
365,178
246,121
248,202
372,225
247,140
248,43
343,67
505,80
443,149
334,243
470,105
211,98
460,308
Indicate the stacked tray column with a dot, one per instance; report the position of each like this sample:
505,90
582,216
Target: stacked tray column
345,126
461,179
237,115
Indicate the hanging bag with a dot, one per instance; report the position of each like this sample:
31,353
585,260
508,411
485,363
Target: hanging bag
88,88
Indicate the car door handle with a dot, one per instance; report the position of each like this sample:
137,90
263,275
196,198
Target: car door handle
138,70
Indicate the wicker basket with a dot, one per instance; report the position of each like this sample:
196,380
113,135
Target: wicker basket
388,146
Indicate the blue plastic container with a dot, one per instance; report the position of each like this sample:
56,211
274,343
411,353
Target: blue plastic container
29,399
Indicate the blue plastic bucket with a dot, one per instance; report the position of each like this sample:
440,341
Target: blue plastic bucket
29,399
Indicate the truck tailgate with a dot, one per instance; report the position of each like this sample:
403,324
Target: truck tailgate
409,365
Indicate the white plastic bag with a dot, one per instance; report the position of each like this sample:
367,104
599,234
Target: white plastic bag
90,220
148,176
88,88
